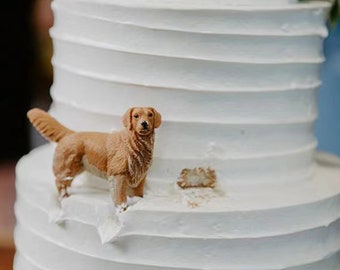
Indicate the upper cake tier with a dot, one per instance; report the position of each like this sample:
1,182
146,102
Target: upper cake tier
236,85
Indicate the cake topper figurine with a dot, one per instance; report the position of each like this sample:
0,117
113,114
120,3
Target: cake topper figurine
122,157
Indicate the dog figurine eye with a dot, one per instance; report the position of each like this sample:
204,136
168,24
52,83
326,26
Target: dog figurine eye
136,116
150,114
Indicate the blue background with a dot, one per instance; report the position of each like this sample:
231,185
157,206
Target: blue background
328,124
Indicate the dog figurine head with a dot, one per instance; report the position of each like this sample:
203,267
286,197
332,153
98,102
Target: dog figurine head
143,120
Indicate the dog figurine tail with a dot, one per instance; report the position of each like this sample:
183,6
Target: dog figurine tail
47,126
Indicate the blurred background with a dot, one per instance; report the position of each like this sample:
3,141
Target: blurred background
27,75
328,125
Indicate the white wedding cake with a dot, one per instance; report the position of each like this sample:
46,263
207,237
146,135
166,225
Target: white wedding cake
236,82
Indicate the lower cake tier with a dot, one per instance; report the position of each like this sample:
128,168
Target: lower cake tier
293,227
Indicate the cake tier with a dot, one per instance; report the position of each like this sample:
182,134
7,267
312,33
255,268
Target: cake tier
236,83
287,228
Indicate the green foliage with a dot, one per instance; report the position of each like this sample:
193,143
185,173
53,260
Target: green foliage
334,13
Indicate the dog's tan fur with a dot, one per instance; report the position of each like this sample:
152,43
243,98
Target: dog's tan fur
123,157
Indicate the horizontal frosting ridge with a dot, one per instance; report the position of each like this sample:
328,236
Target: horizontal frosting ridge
285,20
106,46
73,248
105,77
319,207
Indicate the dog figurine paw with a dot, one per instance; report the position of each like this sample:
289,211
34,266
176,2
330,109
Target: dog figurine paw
123,157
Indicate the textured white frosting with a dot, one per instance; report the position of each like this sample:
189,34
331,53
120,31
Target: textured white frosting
287,228
236,83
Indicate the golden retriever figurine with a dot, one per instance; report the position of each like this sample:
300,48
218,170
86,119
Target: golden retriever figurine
122,157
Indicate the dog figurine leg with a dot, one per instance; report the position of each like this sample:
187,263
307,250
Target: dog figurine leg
67,164
130,191
120,192
62,186
139,190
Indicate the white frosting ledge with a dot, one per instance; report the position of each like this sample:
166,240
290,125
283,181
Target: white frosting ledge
226,226
181,73
269,212
210,17
235,89
59,257
266,48
51,262
64,250
257,107
25,262
198,4
187,140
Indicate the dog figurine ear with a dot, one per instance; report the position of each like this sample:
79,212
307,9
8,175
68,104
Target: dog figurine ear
157,118
127,119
